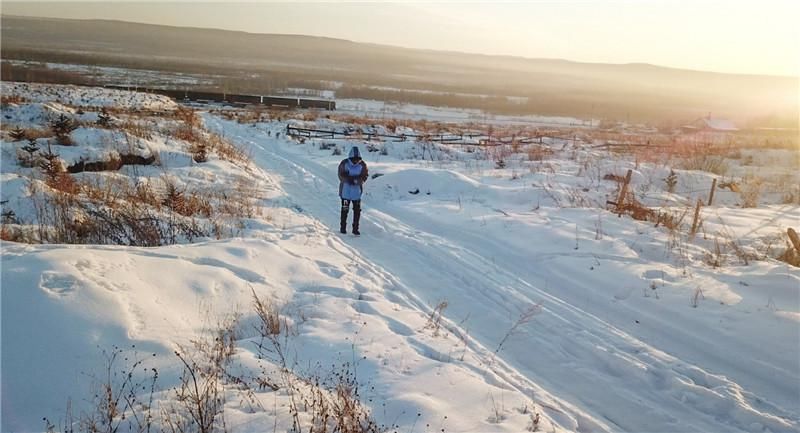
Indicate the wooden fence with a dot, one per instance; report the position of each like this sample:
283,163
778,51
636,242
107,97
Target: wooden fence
481,139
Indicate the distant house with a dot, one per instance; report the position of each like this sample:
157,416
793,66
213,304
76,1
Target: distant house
710,130
710,124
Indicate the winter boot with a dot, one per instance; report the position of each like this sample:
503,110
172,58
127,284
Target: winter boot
343,219
356,216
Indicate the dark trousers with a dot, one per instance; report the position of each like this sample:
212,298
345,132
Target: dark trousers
356,214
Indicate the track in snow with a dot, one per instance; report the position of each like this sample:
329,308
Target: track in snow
591,375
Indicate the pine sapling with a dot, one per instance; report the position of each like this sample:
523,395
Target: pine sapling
671,181
62,127
18,134
30,148
50,163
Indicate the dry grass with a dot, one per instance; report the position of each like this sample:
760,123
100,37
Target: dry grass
270,323
670,219
16,233
435,318
186,203
326,399
317,402
704,162
11,99
187,116
790,255
538,153
122,401
202,142
239,200
113,210
200,396
750,190
136,127
226,150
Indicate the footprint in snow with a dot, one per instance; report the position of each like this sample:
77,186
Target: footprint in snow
329,269
58,284
658,274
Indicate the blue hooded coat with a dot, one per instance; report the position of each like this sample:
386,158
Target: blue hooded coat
352,175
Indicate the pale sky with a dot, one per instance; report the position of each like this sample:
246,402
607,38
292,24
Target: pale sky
757,37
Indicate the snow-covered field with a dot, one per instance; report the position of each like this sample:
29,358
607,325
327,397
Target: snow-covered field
478,298
397,110
124,76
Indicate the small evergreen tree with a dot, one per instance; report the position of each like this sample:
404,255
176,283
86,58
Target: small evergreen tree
18,134
174,198
62,127
31,148
50,164
671,181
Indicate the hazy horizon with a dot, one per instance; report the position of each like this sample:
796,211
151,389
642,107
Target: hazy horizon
709,38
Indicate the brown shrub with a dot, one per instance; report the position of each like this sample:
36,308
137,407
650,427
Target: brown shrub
11,99
790,256
63,182
750,191
136,129
7,234
187,116
238,202
670,220
186,133
187,204
108,191
143,193
227,150
704,162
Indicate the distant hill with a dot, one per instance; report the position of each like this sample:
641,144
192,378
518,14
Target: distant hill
254,61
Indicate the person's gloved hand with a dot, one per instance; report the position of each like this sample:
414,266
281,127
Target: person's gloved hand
354,180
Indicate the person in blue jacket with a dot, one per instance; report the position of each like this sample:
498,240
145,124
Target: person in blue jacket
352,175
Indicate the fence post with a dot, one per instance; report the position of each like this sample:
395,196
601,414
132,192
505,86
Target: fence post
696,219
711,194
622,191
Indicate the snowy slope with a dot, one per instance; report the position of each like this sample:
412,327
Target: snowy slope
74,301
605,340
80,96
554,306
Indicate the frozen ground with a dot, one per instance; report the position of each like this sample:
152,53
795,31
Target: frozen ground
554,306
